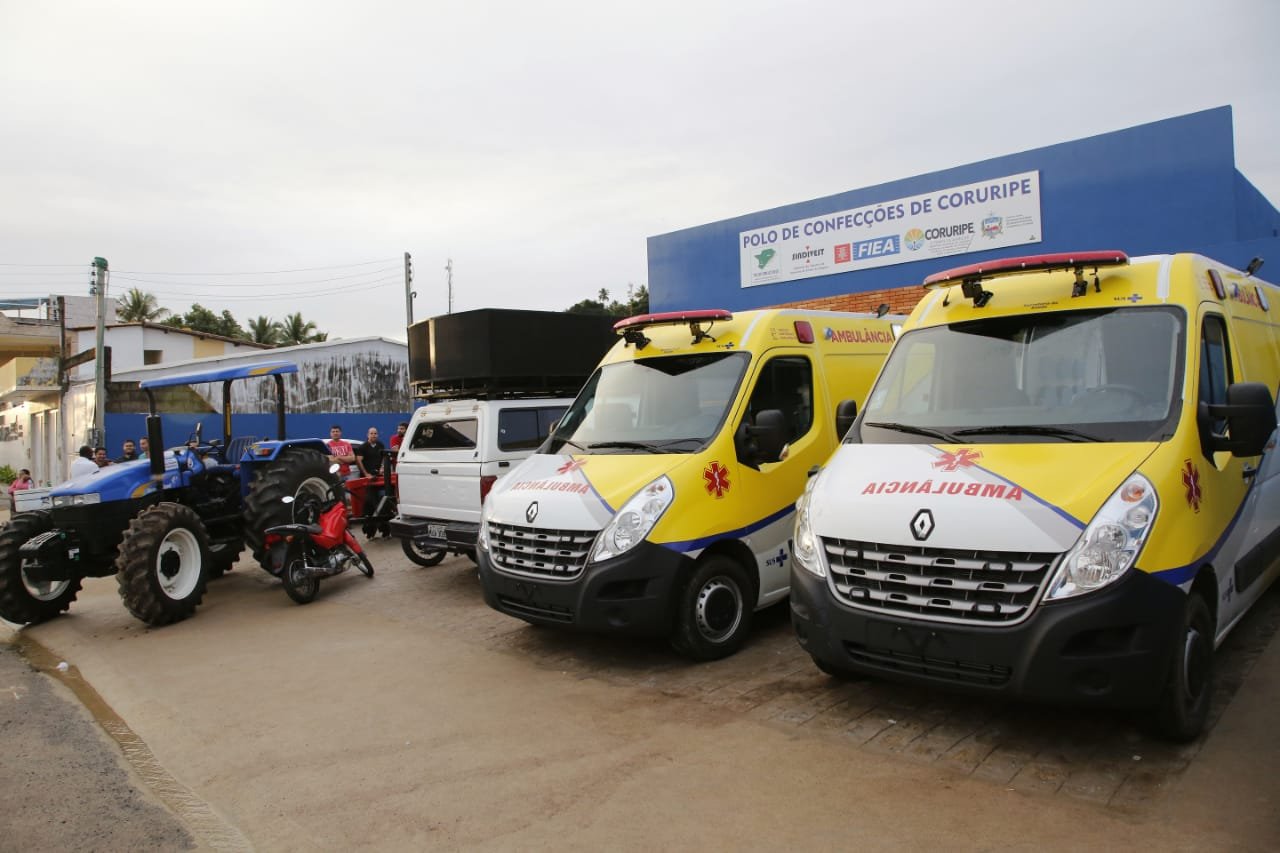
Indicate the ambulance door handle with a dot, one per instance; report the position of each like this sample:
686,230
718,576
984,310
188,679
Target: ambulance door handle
504,464
435,470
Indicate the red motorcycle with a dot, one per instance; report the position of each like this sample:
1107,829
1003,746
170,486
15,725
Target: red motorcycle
317,545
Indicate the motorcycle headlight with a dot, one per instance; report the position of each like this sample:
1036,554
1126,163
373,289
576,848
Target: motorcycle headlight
78,500
1110,544
632,523
805,550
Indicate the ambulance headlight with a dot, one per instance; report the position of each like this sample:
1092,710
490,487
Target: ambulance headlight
633,522
1110,544
806,549
482,536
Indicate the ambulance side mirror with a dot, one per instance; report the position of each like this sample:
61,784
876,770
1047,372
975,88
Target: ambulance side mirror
763,440
1251,419
846,414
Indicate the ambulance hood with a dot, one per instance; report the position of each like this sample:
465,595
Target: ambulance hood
574,493
991,497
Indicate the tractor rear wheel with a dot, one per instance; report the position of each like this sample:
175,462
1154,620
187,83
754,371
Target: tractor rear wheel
298,473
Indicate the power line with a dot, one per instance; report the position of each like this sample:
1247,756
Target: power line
265,272
346,288
151,281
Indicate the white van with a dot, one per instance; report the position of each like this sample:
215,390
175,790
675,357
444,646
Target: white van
452,454
1064,486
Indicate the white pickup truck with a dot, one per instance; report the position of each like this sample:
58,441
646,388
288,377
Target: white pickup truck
452,454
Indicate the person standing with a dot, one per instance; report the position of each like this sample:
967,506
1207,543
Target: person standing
144,447
128,451
398,438
83,464
340,451
100,457
369,456
20,484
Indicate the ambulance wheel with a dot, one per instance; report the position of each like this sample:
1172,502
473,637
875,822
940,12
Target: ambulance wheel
22,600
163,564
713,610
422,553
1184,706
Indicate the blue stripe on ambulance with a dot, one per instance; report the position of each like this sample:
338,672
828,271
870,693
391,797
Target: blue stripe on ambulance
699,544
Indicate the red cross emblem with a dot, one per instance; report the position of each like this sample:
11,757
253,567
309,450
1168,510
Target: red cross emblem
717,477
962,458
1191,479
570,466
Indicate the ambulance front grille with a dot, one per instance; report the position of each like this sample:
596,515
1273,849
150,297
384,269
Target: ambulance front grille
974,587
539,552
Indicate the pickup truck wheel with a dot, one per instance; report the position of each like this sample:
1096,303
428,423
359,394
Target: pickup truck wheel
163,564
713,610
299,472
1184,705
22,600
421,553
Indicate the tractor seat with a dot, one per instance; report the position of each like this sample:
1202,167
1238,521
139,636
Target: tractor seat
236,448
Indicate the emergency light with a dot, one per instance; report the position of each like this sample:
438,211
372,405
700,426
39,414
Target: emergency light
971,277
632,328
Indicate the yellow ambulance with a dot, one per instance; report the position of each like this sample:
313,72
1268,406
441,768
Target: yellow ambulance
662,503
1064,486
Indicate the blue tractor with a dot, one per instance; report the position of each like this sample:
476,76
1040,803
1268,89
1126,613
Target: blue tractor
164,525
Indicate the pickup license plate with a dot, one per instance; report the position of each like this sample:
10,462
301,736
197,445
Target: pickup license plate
435,531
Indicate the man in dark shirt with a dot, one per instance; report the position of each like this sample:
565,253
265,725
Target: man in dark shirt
369,458
129,451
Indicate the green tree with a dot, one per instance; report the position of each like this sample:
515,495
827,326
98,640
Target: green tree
295,330
201,319
137,306
264,330
637,302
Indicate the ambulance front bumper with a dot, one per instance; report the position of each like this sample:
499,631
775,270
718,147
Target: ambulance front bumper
630,594
1111,648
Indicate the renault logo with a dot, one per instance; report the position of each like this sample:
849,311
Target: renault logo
922,525
531,512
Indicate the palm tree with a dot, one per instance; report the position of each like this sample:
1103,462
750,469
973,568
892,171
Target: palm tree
295,330
138,307
264,330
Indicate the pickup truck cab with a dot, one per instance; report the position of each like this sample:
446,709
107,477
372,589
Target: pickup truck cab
452,454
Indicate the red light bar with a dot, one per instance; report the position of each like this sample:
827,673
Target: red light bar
1030,263
670,318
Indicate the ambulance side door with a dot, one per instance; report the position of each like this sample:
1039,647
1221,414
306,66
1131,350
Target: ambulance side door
1217,483
786,382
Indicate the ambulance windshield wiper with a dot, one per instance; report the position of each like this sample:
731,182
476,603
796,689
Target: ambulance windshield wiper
1029,429
568,441
915,430
627,445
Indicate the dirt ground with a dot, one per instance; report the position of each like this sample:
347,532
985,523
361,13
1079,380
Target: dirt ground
401,713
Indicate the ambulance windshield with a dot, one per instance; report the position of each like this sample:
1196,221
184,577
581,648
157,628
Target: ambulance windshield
1113,375
667,404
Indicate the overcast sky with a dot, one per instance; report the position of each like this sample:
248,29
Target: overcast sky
201,149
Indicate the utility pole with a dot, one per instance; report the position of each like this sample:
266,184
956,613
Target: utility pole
449,268
98,287
59,456
408,290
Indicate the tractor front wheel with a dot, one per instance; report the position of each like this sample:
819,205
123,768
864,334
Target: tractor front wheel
163,564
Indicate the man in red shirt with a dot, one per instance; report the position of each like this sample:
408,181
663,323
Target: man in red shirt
398,438
340,451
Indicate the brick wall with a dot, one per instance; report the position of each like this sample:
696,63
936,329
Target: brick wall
899,299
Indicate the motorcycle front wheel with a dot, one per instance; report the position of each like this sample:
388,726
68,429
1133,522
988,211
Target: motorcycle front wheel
300,585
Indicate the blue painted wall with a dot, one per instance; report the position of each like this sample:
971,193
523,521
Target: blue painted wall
1168,186
178,427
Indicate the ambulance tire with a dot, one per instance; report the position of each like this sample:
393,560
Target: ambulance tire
1184,706
713,610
